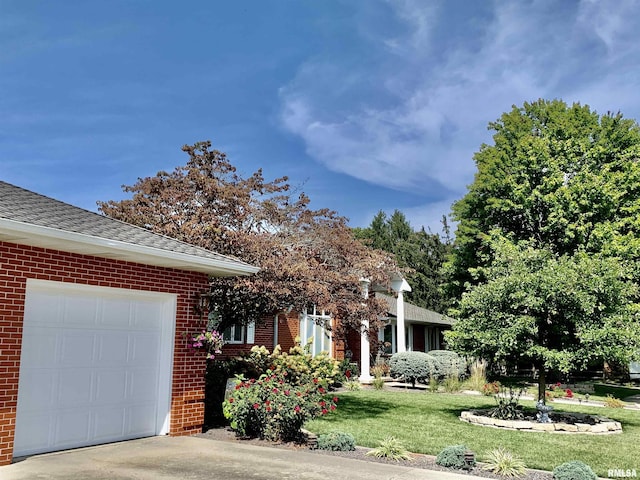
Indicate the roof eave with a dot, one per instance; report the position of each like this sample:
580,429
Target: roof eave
51,238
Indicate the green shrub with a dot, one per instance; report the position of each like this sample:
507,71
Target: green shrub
434,385
390,448
452,457
272,408
337,441
452,384
575,470
413,366
503,462
353,385
447,364
378,383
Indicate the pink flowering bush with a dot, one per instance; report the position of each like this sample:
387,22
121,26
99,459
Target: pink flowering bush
209,341
273,408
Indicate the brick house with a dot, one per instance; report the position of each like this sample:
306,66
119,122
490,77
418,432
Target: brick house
93,314
407,327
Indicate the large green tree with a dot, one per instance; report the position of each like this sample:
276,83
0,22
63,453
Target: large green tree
565,182
421,252
560,313
562,176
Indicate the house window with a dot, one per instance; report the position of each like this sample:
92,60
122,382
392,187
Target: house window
388,338
313,324
432,338
408,337
238,333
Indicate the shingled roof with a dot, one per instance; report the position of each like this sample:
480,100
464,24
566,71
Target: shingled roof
33,219
413,313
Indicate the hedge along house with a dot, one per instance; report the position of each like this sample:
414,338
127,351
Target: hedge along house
93,318
407,327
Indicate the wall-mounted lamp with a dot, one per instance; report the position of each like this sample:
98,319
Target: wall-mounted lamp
202,304
364,285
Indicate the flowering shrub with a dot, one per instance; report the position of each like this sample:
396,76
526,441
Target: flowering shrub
210,342
274,408
556,391
300,366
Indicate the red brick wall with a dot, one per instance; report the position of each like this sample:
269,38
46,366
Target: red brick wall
288,330
263,336
19,262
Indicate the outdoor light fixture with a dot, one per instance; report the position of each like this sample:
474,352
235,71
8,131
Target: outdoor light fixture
364,285
469,460
202,304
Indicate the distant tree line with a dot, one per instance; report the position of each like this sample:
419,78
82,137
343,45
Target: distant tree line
421,252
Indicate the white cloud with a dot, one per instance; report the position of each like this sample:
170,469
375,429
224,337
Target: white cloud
419,129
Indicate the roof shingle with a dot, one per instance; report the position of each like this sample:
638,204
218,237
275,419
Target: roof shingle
21,205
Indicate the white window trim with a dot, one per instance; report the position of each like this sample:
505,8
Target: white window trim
232,334
247,336
326,339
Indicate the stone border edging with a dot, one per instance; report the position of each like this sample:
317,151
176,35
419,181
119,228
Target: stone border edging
605,427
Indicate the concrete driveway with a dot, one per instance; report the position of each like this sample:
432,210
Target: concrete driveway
193,458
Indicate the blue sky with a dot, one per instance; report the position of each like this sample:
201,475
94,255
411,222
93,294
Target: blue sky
370,105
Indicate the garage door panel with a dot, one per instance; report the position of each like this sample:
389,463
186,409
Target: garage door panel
147,315
145,348
143,385
109,424
47,311
77,347
80,311
139,417
74,387
35,433
72,428
37,387
111,387
116,313
113,348
95,366
46,353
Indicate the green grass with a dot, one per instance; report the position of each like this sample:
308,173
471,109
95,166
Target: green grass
602,390
426,423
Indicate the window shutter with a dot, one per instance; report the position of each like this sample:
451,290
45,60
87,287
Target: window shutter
251,333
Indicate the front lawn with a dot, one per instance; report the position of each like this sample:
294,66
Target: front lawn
427,422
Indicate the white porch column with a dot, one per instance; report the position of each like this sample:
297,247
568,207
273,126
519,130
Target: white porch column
400,285
365,348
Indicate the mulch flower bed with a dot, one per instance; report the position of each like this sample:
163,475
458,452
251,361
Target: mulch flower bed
418,460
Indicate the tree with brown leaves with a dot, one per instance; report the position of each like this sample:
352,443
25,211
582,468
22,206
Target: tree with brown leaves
306,257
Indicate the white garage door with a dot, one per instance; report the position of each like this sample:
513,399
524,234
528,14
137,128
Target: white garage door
95,366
